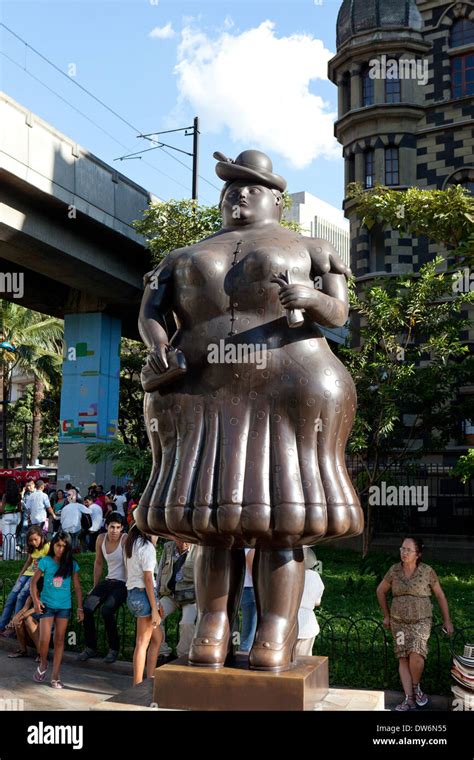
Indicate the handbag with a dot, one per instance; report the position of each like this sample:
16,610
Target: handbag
176,367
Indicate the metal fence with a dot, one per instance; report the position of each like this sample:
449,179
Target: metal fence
449,508
360,650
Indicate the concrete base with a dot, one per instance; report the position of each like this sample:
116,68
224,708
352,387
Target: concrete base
336,700
181,686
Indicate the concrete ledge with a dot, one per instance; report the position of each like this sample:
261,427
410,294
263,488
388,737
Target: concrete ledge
337,700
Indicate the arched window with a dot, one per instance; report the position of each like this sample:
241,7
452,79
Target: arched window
393,91
468,184
369,168
351,168
462,66
368,88
462,33
462,75
377,249
392,171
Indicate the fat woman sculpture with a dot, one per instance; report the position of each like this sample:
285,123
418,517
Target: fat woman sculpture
248,410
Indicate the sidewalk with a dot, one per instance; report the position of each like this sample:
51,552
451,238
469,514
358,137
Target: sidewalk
84,688
89,685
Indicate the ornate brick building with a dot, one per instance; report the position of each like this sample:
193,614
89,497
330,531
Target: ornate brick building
407,120
405,76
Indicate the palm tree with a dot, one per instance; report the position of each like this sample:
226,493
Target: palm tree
32,342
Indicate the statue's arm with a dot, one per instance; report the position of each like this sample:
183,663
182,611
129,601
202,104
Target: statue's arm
329,273
327,303
330,307
157,301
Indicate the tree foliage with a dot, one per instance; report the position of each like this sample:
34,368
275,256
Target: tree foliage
32,343
409,356
173,224
444,216
128,460
131,423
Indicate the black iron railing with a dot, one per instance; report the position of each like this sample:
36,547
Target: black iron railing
360,649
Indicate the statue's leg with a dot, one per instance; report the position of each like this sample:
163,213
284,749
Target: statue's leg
278,578
218,575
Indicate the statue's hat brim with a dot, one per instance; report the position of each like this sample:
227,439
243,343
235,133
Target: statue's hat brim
229,171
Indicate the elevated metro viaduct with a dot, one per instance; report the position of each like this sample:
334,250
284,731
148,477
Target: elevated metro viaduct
65,225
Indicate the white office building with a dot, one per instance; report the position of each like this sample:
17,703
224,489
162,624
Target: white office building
321,220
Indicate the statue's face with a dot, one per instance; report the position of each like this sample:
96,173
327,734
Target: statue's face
246,203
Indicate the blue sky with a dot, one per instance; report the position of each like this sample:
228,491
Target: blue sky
253,71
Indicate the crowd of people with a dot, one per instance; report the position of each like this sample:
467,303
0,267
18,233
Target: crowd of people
41,599
36,503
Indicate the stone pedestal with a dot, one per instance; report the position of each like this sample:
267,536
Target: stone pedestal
185,687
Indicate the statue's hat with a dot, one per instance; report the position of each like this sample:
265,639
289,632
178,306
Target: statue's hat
249,165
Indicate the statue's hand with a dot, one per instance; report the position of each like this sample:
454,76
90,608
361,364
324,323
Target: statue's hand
163,365
295,296
157,360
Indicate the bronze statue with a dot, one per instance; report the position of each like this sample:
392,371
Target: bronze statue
248,410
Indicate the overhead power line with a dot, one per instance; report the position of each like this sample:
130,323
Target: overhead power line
98,100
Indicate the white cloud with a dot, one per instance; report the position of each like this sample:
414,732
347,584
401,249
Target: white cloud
256,85
163,32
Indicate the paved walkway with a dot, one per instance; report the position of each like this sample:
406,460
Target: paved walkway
84,688
89,685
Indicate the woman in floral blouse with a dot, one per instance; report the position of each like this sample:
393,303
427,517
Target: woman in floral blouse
411,583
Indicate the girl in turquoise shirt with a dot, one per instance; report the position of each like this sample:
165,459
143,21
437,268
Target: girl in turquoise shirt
60,572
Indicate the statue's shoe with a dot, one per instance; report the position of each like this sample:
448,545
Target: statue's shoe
273,656
207,651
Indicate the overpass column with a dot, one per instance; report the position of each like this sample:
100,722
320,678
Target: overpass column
89,396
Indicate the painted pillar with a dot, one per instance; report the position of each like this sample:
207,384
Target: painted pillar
89,396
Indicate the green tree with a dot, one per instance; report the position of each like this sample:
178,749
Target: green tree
174,224
21,416
443,216
407,355
33,343
465,467
128,461
131,423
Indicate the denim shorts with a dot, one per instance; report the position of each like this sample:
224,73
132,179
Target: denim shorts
51,612
137,602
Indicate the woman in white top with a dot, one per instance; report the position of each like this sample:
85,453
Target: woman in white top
308,626
142,601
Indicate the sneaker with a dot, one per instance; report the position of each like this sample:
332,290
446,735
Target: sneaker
87,654
407,704
111,655
420,698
